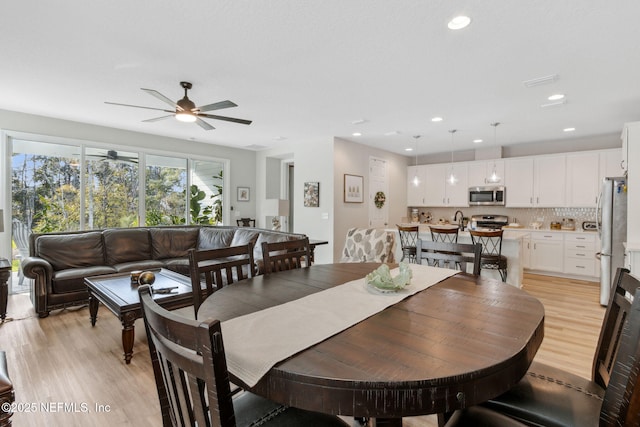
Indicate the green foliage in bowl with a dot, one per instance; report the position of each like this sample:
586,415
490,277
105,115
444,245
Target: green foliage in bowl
381,278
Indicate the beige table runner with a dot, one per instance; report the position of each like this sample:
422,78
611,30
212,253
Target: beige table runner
254,343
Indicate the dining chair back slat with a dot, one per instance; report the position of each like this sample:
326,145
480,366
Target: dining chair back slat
216,268
287,255
450,255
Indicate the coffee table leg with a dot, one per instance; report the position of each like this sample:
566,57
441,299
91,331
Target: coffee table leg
128,335
93,309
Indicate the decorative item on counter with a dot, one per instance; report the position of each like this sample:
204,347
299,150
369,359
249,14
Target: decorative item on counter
536,225
568,224
380,279
555,225
135,275
415,216
379,199
427,217
147,278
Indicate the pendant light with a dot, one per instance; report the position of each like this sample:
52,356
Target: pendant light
416,179
494,177
452,180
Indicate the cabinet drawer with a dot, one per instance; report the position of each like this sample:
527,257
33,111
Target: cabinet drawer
580,246
581,254
547,236
585,238
580,267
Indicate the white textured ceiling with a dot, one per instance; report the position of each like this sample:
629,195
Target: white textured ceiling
306,70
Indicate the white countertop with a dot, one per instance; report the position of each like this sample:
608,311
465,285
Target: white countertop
509,232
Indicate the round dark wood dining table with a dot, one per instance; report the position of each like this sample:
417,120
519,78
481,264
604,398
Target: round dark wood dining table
458,343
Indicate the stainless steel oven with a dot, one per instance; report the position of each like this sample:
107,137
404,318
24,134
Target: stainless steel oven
487,196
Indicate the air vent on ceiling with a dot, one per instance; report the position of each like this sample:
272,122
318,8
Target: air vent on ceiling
540,80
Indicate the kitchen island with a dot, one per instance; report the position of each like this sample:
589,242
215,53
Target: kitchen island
511,248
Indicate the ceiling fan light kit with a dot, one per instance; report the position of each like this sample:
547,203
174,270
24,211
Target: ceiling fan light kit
185,110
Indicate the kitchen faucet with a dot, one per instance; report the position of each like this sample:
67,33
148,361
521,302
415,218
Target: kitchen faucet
460,221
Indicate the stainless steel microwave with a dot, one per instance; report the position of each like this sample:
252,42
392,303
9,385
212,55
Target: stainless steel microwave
487,196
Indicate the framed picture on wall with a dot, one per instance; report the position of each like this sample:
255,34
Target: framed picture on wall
243,194
353,189
311,194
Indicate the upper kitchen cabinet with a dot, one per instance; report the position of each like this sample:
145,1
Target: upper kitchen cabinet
489,172
416,181
582,184
535,181
610,164
439,191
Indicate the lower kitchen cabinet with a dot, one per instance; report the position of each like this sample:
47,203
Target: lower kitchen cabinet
547,251
580,254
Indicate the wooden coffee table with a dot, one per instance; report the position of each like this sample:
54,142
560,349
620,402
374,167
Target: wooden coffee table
117,293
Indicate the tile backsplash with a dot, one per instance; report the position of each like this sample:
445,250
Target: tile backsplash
523,216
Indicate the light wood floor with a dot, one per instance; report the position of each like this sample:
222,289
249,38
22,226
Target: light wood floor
70,374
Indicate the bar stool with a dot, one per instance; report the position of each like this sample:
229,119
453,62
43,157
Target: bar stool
444,234
492,258
408,241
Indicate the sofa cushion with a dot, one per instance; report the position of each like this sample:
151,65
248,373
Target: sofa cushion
172,242
215,238
72,279
71,250
244,236
179,265
126,245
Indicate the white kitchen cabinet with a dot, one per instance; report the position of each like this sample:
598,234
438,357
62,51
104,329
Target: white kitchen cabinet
480,172
547,251
536,181
582,184
519,174
439,191
549,181
416,191
580,254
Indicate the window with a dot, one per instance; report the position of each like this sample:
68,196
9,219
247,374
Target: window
166,190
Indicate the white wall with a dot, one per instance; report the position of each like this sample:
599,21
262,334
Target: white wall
313,162
352,158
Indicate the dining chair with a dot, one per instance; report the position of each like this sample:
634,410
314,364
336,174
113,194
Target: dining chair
492,258
190,369
287,255
408,239
449,255
218,268
444,234
369,245
246,222
553,402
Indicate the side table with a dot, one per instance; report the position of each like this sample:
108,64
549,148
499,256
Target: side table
5,272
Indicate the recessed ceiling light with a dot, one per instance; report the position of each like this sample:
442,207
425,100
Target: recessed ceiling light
356,134
408,149
569,129
554,103
393,132
359,121
459,22
436,119
556,97
477,141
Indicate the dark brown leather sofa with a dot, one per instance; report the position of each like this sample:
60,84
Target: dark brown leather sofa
59,262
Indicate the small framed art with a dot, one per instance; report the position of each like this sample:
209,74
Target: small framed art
311,194
243,194
353,189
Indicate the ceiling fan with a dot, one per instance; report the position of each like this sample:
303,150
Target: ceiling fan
112,155
186,111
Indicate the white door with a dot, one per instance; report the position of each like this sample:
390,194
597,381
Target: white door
378,217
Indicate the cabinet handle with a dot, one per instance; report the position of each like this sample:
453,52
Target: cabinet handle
535,245
580,266
622,164
537,200
580,246
581,238
580,255
531,200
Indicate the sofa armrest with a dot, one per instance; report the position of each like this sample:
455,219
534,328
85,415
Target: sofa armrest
42,272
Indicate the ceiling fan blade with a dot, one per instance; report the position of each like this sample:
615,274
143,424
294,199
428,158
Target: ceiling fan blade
204,125
226,119
162,98
138,106
157,119
217,106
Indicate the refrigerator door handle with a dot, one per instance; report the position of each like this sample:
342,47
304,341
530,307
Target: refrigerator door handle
599,215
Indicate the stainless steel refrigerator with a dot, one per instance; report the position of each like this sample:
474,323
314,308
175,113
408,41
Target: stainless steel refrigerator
612,228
